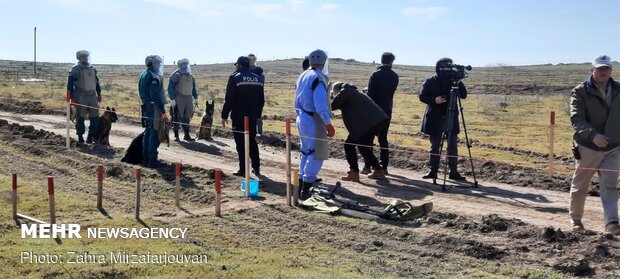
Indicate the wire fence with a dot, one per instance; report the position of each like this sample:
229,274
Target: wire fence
337,141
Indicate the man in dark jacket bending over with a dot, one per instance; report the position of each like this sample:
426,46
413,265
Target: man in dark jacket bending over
364,120
435,93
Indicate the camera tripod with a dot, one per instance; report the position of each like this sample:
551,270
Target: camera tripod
453,100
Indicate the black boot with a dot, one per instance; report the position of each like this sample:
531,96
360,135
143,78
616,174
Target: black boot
366,170
89,139
80,140
257,173
300,184
176,135
305,192
187,137
430,175
454,175
155,164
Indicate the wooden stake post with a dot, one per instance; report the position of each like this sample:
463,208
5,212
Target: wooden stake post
177,196
246,134
551,159
296,188
100,187
17,216
138,190
218,193
68,140
14,182
50,191
288,161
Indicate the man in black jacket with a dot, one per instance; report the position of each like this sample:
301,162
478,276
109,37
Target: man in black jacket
245,96
258,71
381,88
364,120
435,93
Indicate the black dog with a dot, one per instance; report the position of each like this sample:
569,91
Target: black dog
105,125
133,154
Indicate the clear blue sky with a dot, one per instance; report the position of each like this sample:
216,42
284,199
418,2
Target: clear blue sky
477,32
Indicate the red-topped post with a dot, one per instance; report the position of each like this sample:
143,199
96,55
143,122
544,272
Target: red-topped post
218,193
551,159
288,161
177,196
100,187
138,190
50,191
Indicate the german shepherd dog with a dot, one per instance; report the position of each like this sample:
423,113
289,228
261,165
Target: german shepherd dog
105,125
207,122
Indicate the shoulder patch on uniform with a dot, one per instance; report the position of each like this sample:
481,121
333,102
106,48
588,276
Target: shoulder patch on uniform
315,83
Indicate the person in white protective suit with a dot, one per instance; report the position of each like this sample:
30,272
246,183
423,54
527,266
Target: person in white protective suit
312,105
183,98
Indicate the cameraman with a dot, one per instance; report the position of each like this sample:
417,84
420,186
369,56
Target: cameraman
435,94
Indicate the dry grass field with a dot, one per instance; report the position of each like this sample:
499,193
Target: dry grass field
500,230
507,112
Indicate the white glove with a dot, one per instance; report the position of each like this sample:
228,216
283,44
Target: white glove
196,101
173,103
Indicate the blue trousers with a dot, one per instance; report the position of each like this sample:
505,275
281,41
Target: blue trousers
309,166
80,127
151,140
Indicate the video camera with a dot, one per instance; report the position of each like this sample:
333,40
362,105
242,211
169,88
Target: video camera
454,72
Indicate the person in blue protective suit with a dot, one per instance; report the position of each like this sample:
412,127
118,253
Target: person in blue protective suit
153,98
85,93
183,96
312,105
245,96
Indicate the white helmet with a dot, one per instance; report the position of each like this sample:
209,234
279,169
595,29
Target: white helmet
183,65
319,57
183,61
150,60
81,53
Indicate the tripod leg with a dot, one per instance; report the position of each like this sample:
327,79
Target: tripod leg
445,137
443,140
471,160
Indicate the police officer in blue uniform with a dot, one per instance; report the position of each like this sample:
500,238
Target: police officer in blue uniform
245,96
152,95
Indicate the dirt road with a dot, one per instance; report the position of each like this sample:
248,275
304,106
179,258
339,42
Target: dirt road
534,206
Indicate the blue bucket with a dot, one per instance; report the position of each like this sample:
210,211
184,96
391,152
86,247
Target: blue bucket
253,187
